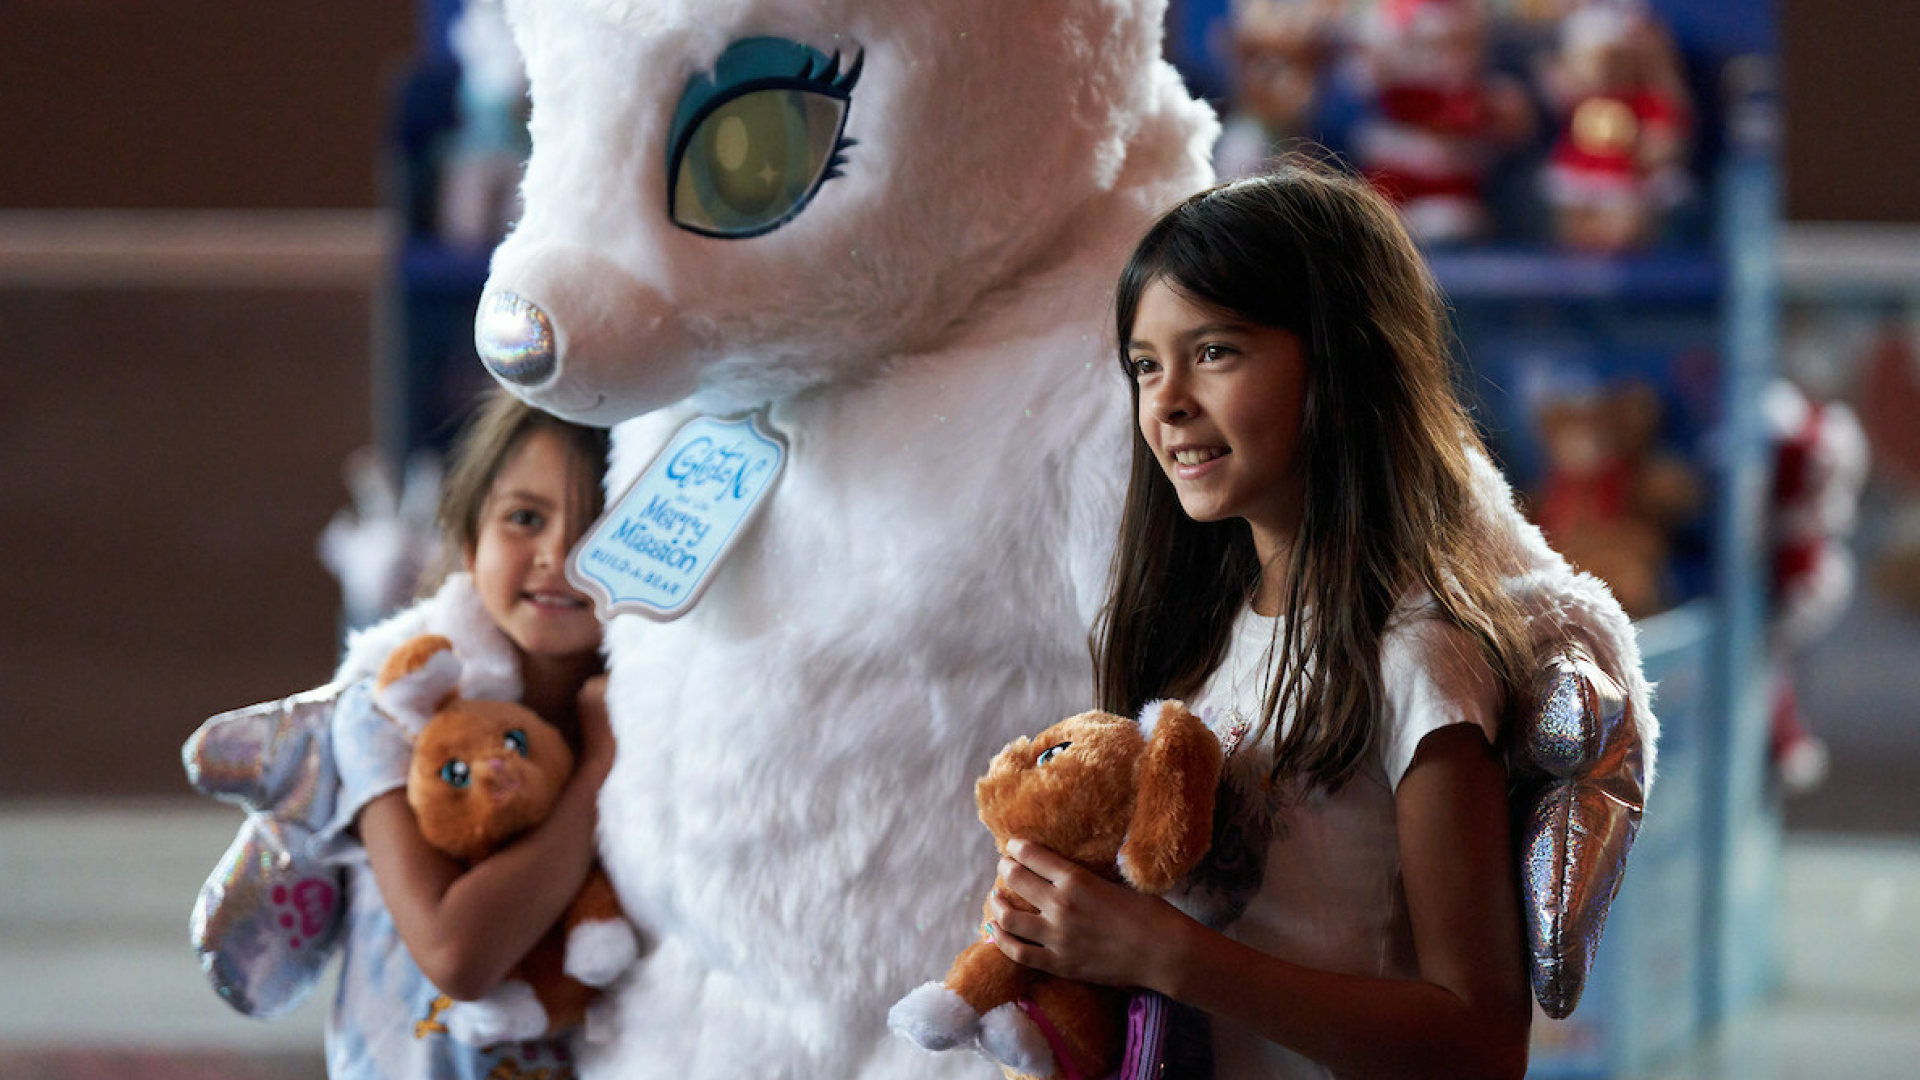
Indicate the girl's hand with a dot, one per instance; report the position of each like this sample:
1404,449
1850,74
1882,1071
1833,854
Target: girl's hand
1086,927
596,727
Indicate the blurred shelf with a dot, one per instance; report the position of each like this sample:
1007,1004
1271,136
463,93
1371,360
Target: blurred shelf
1515,272
430,264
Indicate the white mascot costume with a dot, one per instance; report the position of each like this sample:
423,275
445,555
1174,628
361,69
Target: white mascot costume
894,230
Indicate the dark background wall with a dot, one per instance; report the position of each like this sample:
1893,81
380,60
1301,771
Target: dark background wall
196,103
281,103
1852,148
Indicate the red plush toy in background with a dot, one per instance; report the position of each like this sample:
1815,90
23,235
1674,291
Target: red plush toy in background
1619,164
1819,468
1440,114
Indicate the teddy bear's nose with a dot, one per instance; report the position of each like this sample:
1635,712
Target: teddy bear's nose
515,339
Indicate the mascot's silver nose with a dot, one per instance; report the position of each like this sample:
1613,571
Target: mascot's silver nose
515,339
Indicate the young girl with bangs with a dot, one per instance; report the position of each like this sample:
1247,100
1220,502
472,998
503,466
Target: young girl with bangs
1303,557
424,929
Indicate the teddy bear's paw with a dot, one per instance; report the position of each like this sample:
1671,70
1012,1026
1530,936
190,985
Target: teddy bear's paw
1012,1039
934,1017
598,952
508,1014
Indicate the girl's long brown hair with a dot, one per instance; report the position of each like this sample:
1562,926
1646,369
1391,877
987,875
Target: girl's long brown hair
1383,450
486,439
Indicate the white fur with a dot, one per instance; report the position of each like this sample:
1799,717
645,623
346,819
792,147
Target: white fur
412,699
1010,1038
488,667
934,1017
789,814
1151,716
509,1013
598,952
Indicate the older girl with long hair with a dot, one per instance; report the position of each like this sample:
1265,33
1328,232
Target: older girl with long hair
1303,559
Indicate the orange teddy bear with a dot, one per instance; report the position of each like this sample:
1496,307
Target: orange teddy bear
483,772
1132,801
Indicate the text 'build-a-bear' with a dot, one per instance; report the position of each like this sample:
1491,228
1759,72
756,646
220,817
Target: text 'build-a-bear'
895,229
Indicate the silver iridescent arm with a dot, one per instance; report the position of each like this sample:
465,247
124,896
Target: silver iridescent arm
1583,753
269,915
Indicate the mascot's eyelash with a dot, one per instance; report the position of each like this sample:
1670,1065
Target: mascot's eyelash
732,168
827,78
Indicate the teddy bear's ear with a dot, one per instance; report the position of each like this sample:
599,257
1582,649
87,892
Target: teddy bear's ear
1172,821
417,680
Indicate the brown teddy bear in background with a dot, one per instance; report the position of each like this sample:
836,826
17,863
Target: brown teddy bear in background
484,772
1611,500
1131,801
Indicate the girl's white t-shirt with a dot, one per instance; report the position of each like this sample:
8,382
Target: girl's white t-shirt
1311,876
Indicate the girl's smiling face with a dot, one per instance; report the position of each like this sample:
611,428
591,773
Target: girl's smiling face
1220,406
532,515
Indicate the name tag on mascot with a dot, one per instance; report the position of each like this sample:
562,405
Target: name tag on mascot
657,548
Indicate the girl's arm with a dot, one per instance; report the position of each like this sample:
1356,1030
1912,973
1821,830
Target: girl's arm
1469,1013
466,926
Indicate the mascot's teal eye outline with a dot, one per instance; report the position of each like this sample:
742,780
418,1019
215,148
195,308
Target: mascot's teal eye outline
456,773
1052,752
516,741
751,144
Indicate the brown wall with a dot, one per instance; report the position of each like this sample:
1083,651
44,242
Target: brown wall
1852,128
196,103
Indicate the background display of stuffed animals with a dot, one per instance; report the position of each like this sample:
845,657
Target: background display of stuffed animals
1819,468
1889,399
1437,114
1619,159
1567,122
381,546
1281,51
1612,497
1862,353
1844,523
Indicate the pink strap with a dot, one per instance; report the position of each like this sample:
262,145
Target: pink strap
1052,1035
1146,1038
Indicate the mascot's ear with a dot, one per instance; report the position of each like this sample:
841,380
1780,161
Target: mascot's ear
419,678
1173,807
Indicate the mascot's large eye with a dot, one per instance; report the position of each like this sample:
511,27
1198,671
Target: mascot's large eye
517,742
456,773
1052,752
753,142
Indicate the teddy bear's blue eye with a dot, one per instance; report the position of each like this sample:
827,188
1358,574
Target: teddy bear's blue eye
753,142
1052,752
517,742
456,773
